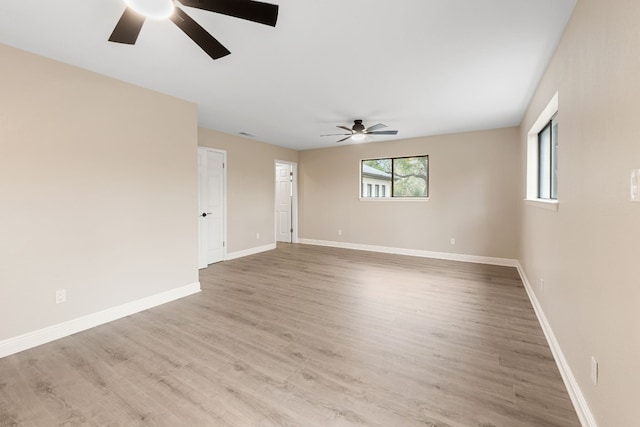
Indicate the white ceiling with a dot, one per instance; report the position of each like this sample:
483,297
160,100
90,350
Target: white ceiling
424,67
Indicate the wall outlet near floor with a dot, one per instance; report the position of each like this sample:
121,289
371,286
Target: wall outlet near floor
594,370
635,185
452,241
339,232
257,236
61,296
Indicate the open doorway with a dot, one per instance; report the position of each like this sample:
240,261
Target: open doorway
286,202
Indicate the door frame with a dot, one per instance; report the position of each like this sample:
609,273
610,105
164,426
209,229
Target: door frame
224,202
294,200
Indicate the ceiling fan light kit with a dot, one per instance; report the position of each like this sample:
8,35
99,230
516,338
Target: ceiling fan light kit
128,27
358,132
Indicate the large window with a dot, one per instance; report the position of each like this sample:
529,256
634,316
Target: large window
548,160
406,177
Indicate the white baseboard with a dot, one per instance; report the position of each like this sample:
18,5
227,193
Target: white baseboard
61,330
415,252
575,393
250,251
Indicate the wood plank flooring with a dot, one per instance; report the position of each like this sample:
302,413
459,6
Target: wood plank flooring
306,336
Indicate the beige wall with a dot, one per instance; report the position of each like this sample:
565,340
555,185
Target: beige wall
587,251
98,192
250,187
473,189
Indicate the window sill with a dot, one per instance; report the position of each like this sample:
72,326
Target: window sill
394,199
550,205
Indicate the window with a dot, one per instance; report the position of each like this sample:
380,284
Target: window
542,158
548,160
406,177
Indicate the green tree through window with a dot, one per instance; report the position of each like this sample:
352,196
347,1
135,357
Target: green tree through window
406,176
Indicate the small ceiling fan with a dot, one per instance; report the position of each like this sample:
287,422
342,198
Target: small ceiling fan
130,24
358,132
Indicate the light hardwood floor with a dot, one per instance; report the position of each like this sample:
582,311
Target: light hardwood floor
306,336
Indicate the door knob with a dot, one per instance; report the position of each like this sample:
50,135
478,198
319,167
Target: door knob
204,214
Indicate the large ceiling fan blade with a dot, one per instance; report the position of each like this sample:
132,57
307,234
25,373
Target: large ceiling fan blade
337,134
346,128
375,127
344,139
383,132
127,28
199,35
255,11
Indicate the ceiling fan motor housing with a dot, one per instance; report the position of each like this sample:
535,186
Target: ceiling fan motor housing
358,127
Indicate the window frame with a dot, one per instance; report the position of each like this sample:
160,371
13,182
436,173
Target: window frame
532,198
391,184
549,164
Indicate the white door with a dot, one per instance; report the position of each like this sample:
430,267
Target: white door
284,177
211,214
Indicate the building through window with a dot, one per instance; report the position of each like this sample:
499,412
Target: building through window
406,177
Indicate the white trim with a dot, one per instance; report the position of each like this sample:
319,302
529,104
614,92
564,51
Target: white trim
251,251
415,252
394,199
550,205
61,330
575,393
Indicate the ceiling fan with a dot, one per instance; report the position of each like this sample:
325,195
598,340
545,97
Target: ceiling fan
358,132
130,24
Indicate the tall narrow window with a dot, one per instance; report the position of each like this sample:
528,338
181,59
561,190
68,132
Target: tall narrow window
548,160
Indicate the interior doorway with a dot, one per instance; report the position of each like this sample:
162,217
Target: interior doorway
212,196
286,202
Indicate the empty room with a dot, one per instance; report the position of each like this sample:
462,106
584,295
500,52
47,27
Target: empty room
297,213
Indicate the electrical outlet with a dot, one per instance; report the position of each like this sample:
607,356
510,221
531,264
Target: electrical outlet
61,296
339,232
635,185
452,241
257,236
594,370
